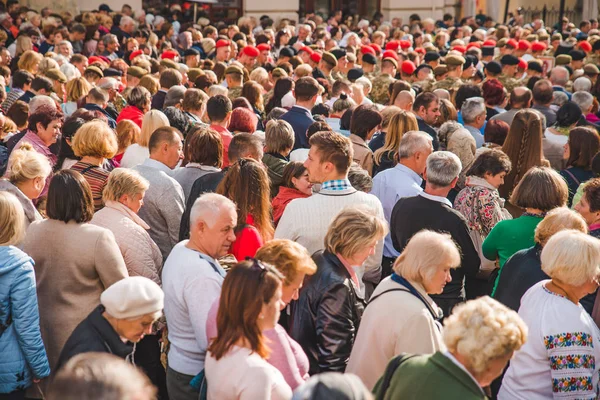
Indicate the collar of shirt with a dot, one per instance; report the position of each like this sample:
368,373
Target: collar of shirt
439,199
38,144
279,156
148,162
202,167
455,361
410,173
213,263
303,108
336,184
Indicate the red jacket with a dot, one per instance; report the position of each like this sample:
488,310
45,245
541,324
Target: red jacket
282,199
131,113
247,241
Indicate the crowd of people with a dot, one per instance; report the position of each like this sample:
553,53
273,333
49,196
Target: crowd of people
328,208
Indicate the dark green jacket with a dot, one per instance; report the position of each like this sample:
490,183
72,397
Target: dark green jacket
431,377
275,164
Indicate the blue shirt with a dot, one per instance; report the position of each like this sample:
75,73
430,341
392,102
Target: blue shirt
476,135
389,186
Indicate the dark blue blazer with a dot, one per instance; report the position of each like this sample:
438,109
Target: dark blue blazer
424,127
158,100
94,107
27,96
300,119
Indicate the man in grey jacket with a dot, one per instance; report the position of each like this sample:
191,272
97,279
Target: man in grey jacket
164,201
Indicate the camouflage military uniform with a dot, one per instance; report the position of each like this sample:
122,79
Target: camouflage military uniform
338,76
449,83
425,85
234,93
380,92
508,82
593,59
119,102
330,79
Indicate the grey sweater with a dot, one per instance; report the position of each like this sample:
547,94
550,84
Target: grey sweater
163,205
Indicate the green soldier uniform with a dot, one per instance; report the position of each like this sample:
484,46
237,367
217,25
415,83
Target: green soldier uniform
119,102
234,93
380,92
338,76
508,82
426,85
332,61
594,59
450,83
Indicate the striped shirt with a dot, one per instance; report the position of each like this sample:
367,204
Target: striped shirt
11,97
96,177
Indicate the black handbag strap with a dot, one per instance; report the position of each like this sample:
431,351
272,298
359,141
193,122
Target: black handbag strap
389,372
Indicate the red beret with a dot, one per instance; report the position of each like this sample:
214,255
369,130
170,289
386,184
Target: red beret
489,42
538,46
94,59
250,51
134,54
390,54
222,43
522,63
367,50
473,44
408,67
306,49
460,49
263,47
102,58
420,50
376,47
316,57
512,43
405,44
170,54
392,45
585,46
524,45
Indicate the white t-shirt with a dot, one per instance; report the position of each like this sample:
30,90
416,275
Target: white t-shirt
561,357
243,375
553,137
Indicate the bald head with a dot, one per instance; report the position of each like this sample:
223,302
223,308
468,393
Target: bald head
520,97
559,76
442,94
405,100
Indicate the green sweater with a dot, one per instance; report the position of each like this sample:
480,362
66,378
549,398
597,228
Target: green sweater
430,377
508,237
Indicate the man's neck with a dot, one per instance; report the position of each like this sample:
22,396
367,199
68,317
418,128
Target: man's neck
542,105
306,104
222,124
157,160
410,164
193,244
454,74
434,191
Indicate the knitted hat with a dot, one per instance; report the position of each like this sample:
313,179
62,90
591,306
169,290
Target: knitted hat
132,297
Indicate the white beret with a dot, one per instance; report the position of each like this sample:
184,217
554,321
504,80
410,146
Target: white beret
132,297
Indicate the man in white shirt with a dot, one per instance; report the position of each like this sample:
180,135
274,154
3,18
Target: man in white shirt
192,280
164,201
404,180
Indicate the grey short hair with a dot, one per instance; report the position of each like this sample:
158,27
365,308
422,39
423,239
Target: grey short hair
582,84
125,20
413,142
472,108
559,76
174,96
365,82
583,99
442,168
208,206
108,83
109,38
38,101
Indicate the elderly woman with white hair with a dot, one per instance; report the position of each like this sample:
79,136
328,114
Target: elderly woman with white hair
560,359
328,311
405,319
480,336
127,310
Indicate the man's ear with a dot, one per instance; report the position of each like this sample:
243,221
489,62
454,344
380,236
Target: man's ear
453,183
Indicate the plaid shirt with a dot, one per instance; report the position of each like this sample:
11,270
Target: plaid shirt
337,184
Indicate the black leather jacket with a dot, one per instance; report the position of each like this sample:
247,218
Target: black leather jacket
326,316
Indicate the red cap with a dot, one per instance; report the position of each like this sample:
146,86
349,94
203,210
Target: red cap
522,63
250,51
538,46
405,44
222,43
376,47
134,54
170,54
306,49
94,59
263,47
367,50
460,49
585,46
408,67
473,44
420,50
392,45
489,42
316,57
512,43
391,54
524,45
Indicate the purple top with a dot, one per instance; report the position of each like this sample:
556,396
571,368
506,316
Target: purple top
39,146
286,354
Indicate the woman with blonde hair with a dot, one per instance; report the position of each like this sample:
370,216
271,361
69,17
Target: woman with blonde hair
329,309
405,319
236,366
76,89
24,357
480,336
560,356
523,146
246,183
524,268
138,152
294,263
387,156
30,61
25,178
128,133
94,142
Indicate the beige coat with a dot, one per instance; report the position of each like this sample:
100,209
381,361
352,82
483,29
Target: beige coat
363,155
74,263
396,322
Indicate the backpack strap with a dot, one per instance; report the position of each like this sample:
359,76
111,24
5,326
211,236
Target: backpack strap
389,372
572,176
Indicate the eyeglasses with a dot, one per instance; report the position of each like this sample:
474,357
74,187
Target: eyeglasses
257,265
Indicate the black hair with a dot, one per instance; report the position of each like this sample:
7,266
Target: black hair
217,107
